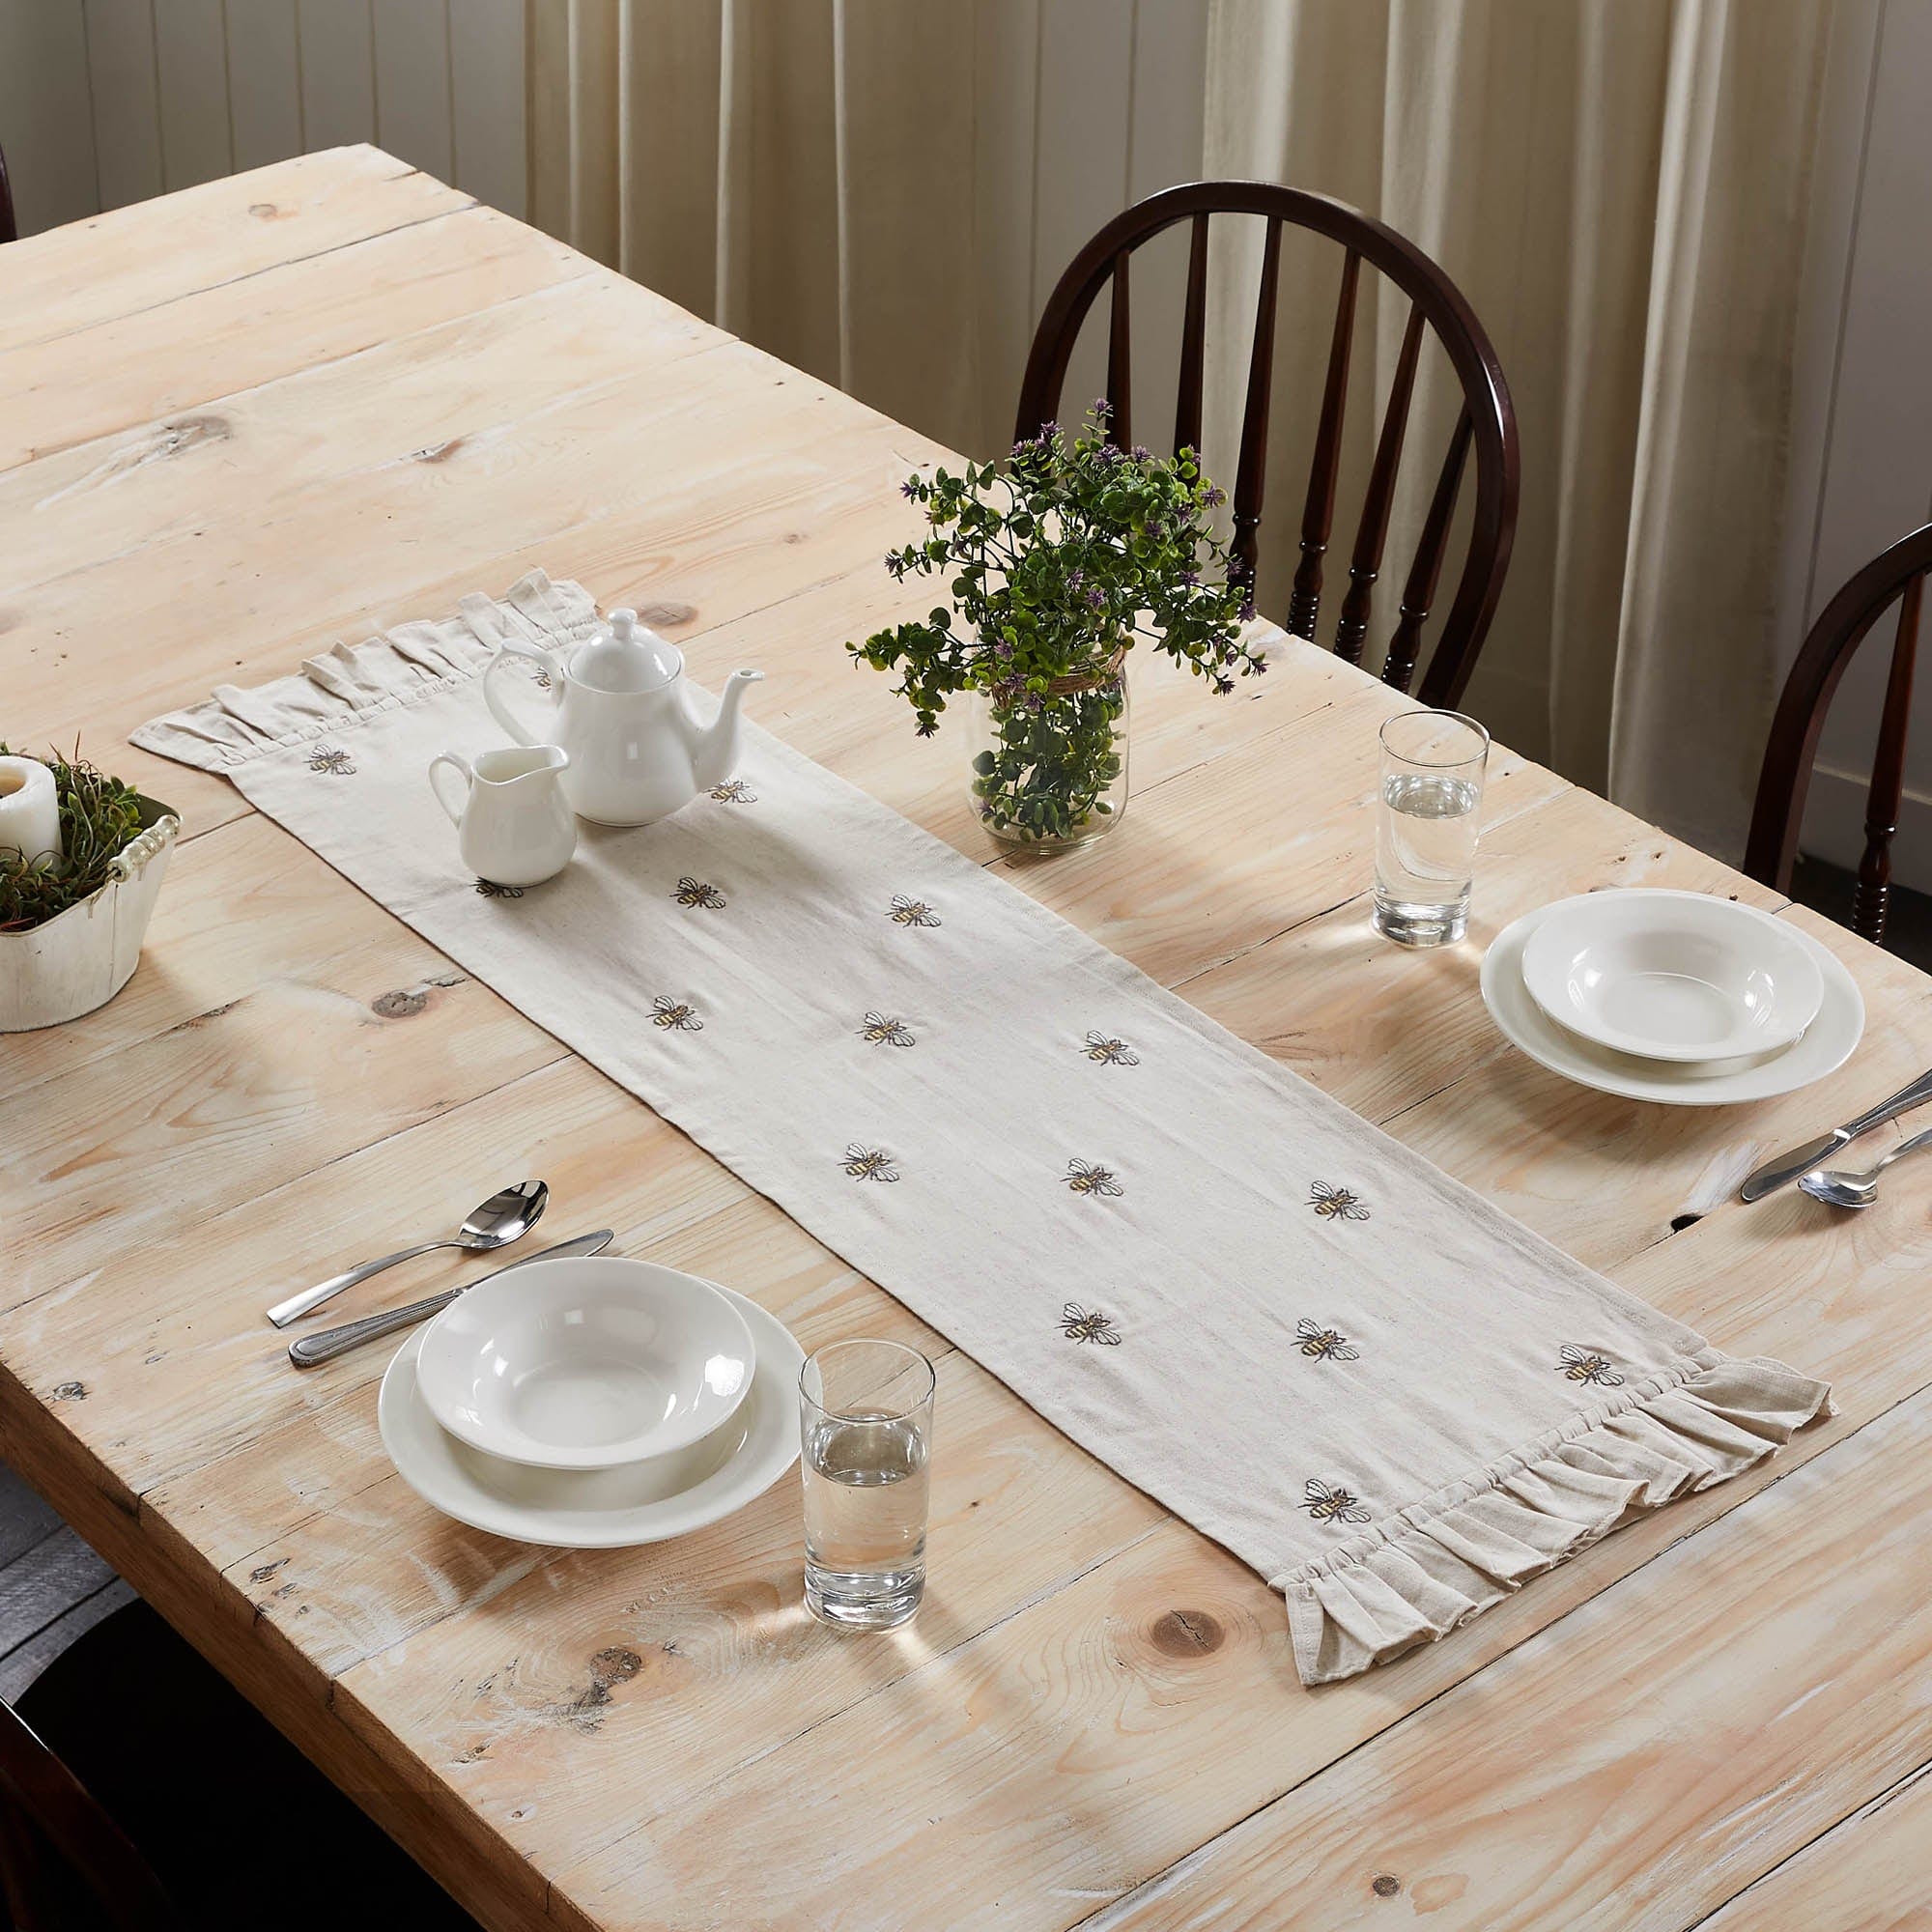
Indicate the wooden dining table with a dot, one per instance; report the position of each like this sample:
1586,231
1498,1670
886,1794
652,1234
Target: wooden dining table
243,421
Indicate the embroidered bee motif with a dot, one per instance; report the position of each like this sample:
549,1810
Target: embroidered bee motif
1581,1365
1326,1505
1088,1325
1324,1345
542,678
864,1163
675,1015
491,890
734,791
883,1031
325,759
1335,1203
1110,1052
1086,1178
698,892
912,912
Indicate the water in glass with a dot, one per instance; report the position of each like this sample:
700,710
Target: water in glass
1432,790
866,1430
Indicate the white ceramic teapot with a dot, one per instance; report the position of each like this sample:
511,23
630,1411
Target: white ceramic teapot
620,706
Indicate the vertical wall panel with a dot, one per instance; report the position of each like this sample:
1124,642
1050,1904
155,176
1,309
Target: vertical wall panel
264,81
1877,473
45,113
413,108
191,67
486,61
127,99
336,47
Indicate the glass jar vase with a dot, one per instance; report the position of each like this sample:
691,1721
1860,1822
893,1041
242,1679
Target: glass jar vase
1049,768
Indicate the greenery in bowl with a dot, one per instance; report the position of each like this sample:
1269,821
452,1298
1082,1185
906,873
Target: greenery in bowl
1058,561
100,819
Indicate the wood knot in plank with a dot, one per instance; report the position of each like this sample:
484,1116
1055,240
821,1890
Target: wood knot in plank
1385,1885
438,452
70,1392
666,612
261,1571
400,1005
1187,1633
267,211
584,1711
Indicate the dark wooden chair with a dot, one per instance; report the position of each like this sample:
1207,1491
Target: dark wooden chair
139,1792
9,229
1487,420
1894,576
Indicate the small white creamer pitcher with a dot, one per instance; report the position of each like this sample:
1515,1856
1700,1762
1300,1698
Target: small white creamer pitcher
514,825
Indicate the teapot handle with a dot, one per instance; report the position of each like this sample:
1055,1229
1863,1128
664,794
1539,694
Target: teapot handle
500,706
460,766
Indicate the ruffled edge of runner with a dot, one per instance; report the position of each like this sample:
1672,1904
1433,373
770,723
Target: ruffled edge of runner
1432,1567
342,686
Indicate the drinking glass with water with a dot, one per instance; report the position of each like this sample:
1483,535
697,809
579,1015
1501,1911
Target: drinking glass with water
1431,789
865,1415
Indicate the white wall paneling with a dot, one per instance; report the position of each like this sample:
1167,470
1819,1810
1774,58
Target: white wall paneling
1863,457
108,101
46,114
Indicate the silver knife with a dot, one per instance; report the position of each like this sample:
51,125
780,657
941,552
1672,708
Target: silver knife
326,1343
1787,1167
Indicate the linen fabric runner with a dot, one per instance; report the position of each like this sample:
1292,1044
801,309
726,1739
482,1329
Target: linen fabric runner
1390,1399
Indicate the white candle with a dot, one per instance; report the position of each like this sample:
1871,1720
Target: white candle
29,810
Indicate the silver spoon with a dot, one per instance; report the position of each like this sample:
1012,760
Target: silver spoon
1839,1187
497,1222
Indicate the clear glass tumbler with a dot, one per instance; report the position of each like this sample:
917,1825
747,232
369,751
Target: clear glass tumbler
866,1419
1432,790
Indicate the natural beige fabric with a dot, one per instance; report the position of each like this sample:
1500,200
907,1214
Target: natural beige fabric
1388,1398
1621,188
800,172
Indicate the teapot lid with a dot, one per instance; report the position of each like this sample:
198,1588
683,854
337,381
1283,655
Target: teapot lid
626,656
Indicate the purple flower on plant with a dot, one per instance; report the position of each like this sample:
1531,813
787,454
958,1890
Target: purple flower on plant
909,490
1003,652
1214,497
1142,453
1095,600
1190,578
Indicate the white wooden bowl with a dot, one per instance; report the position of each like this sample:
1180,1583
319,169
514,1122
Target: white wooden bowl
80,960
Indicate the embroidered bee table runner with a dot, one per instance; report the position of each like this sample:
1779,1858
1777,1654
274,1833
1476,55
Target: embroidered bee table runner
1390,1399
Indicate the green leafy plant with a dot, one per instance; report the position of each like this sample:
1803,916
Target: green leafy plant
1058,561
100,819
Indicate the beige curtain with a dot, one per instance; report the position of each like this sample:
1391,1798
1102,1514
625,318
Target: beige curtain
801,172
1621,188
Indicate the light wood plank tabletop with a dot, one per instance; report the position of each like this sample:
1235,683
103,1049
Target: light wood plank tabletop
245,420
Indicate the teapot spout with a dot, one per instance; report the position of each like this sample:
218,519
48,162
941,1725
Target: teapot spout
714,751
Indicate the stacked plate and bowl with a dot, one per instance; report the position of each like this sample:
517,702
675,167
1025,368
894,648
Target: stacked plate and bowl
1680,998
593,1403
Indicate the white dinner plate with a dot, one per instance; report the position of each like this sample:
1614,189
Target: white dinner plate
603,1509
585,1362
1826,1046
1672,975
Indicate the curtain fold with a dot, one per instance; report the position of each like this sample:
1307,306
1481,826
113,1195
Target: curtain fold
800,172
1621,188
